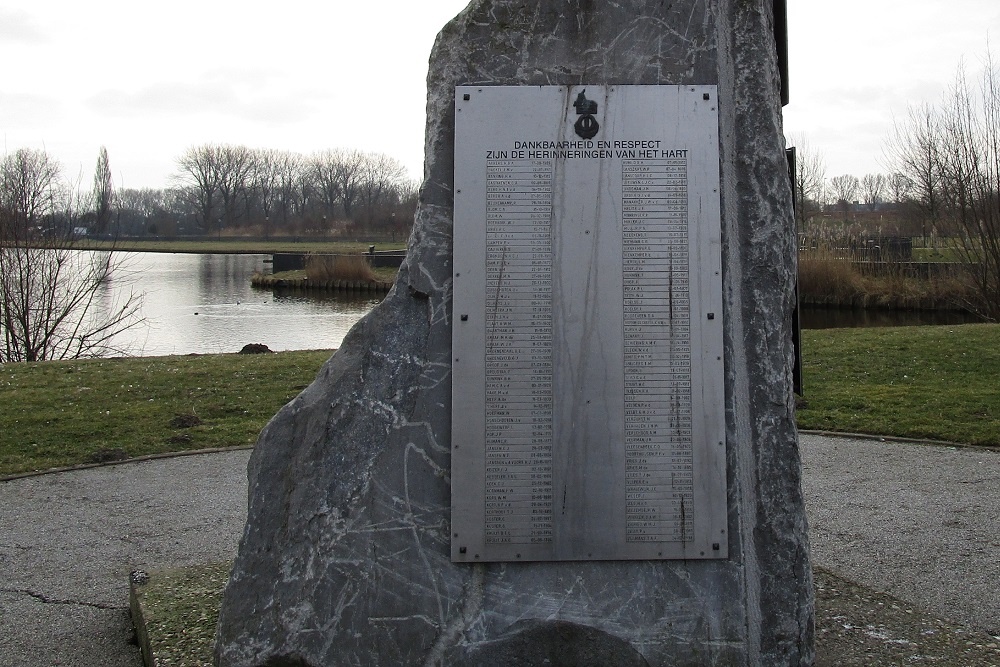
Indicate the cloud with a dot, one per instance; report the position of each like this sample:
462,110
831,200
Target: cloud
29,109
220,94
16,25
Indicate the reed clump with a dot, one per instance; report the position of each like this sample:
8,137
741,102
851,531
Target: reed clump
836,277
338,267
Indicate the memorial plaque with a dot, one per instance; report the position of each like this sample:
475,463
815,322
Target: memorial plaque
588,418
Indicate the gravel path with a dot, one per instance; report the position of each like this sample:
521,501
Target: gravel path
918,522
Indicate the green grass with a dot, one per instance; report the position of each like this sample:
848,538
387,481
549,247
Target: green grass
59,413
936,255
180,608
920,382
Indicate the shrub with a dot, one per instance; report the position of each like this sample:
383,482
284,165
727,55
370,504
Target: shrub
338,267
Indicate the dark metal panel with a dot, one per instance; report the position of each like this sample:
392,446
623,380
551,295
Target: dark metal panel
781,43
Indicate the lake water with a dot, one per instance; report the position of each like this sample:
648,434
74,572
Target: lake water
204,304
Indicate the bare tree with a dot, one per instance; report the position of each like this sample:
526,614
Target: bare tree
198,176
103,193
969,155
54,300
899,188
844,190
323,168
337,177
29,190
291,193
951,155
350,172
381,178
873,188
810,177
234,166
913,148
230,184
265,182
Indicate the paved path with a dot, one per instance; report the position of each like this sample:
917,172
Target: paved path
919,522
69,540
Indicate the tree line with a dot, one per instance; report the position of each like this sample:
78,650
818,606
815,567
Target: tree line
216,189
847,197
226,187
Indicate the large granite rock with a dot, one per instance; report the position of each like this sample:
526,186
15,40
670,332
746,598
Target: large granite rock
345,556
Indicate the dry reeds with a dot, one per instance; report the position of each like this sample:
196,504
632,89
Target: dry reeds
338,267
831,277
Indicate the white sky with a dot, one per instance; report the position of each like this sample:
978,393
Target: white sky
149,80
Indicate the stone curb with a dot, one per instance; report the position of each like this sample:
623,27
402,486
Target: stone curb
893,438
216,450
138,613
136,459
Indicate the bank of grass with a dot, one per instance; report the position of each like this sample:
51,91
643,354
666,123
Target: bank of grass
385,274
61,413
920,382
936,382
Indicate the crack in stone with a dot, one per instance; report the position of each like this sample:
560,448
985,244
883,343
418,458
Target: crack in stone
45,599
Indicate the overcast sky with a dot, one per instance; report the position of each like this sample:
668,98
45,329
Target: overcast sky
149,80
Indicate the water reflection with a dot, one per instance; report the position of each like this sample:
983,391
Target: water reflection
204,304
817,317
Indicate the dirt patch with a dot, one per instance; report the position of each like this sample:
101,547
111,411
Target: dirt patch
255,348
107,456
860,627
185,421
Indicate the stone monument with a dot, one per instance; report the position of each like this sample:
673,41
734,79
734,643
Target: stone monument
566,436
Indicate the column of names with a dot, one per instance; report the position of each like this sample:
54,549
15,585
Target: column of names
659,476
518,351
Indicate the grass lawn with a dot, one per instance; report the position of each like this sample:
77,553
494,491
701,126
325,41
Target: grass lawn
59,413
921,382
937,382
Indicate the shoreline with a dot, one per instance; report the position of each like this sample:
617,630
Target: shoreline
262,281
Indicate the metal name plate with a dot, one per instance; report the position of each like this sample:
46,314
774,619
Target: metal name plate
588,414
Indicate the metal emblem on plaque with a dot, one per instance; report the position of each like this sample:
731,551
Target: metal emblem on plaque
588,417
